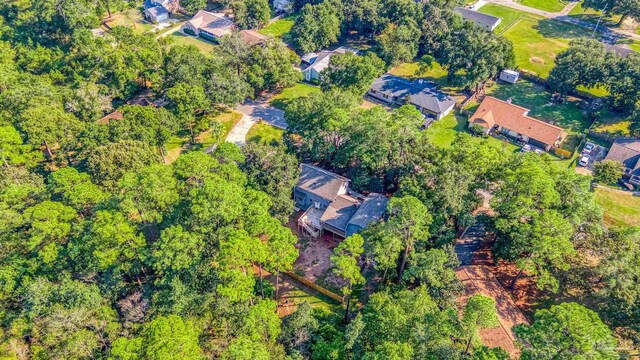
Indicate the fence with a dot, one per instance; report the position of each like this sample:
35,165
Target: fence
602,137
315,287
527,75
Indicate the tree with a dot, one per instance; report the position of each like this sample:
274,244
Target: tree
75,189
188,100
410,221
244,348
109,162
192,6
624,83
13,151
399,43
566,331
624,8
345,259
317,27
298,328
479,313
49,126
607,171
170,337
349,72
49,226
584,63
251,14
272,170
176,250
435,269
271,67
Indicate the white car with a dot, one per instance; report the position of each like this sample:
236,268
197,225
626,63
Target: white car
588,148
526,148
584,160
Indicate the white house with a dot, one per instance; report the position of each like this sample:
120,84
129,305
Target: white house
319,61
485,21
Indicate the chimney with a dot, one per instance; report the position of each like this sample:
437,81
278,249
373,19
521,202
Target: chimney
509,100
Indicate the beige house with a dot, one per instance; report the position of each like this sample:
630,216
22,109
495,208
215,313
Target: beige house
208,25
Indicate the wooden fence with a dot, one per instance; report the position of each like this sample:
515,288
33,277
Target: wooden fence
315,287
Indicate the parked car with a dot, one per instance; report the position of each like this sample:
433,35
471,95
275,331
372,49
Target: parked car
538,152
526,148
588,148
584,160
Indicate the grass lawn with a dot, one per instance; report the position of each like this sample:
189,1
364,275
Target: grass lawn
279,28
179,38
298,90
635,45
410,70
131,18
228,119
264,133
508,15
546,5
537,41
619,209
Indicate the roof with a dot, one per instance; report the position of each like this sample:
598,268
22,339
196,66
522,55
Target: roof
510,72
320,182
340,211
320,62
620,50
627,152
373,208
157,11
494,111
215,23
478,279
421,93
478,17
252,38
116,115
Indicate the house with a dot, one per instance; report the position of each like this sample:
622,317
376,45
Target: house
503,117
329,204
115,115
627,152
509,76
485,21
316,62
620,50
422,94
282,6
252,38
159,10
208,25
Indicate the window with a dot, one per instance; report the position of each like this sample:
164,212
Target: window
316,205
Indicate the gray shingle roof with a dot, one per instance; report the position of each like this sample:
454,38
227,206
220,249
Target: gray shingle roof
478,17
627,152
320,182
373,208
157,11
340,211
423,94
621,51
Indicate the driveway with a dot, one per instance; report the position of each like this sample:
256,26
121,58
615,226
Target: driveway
263,111
238,134
469,243
597,154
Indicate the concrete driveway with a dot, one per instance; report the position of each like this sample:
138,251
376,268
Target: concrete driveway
263,111
238,134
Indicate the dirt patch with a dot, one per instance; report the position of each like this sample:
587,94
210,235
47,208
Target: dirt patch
536,60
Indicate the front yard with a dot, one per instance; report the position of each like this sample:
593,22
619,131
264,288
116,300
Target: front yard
280,28
264,133
281,100
131,18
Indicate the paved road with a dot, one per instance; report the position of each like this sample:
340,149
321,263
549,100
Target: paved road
263,111
238,134
469,243
611,33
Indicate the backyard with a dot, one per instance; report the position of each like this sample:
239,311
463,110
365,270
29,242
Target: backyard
264,133
436,74
620,209
179,38
279,28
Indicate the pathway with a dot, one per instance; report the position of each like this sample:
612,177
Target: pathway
469,243
171,31
238,134
263,111
564,17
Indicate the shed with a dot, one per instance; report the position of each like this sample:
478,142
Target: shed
510,76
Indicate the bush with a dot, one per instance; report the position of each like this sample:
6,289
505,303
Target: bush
608,171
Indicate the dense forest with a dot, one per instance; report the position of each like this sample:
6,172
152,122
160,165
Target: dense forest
110,251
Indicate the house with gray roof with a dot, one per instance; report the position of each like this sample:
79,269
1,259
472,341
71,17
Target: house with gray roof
329,205
208,25
627,152
160,10
485,21
422,94
316,62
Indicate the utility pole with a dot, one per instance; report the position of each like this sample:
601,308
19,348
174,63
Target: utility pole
604,10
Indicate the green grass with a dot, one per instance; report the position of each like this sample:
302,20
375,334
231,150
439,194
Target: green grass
287,95
536,41
508,15
635,45
179,38
279,28
131,18
619,209
546,5
410,70
264,133
592,16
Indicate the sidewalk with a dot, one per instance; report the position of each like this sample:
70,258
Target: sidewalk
238,134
